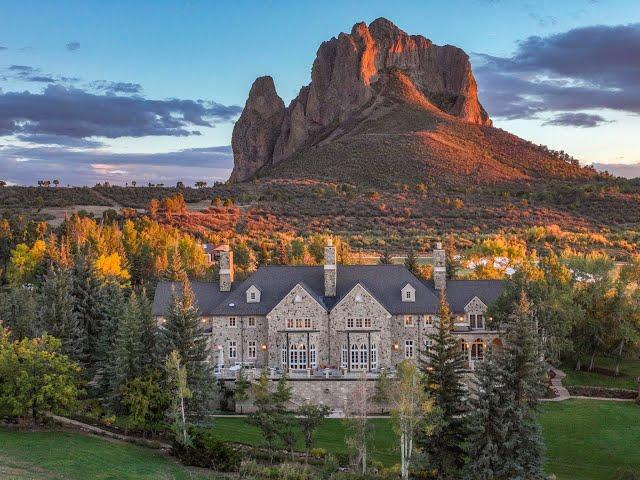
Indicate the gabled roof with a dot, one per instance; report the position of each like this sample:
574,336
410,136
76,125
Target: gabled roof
207,294
384,282
461,292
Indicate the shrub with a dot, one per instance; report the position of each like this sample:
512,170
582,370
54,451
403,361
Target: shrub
208,452
318,452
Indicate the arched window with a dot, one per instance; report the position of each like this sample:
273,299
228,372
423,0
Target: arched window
312,357
374,355
477,350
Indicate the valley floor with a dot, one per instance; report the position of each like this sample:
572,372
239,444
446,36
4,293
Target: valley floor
586,440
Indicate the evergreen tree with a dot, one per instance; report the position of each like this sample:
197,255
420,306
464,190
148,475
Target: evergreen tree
88,305
411,263
182,332
56,315
18,312
114,306
128,349
150,338
283,255
385,258
510,385
443,365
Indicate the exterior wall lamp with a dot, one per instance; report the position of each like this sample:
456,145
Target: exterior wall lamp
263,347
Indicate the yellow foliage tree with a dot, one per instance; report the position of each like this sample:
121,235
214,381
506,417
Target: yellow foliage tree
111,266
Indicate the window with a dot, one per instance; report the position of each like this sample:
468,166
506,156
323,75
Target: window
408,320
298,356
350,322
407,294
359,355
312,356
252,295
476,321
232,322
408,349
358,323
464,347
428,320
428,345
251,350
477,350
374,355
284,356
367,323
251,321
233,349
344,356
299,323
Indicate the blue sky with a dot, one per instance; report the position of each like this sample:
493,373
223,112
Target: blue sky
179,71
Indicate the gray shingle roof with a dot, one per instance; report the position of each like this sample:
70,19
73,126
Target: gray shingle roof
384,282
208,296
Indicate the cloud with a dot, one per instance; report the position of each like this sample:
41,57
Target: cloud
586,68
60,140
116,87
24,165
77,113
585,120
2,47
628,170
26,73
72,46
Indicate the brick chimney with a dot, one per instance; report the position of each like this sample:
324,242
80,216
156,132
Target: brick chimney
226,270
330,270
439,267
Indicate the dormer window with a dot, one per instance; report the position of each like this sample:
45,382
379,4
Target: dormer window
253,294
408,293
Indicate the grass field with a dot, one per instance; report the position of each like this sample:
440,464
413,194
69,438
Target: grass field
585,439
629,369
62,455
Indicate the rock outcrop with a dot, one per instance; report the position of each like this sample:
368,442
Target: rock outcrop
257,130
345,79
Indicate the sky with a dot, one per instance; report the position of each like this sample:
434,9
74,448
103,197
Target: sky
94,91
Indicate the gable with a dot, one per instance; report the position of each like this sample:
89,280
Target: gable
359,300
475,306
298,299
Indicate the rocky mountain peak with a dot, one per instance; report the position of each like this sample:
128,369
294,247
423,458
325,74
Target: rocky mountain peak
345,80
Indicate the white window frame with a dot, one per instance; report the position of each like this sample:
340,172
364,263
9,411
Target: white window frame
251,322
408,349
367,323
233,349
477,350
408,321
374,355
474,321
344,356
252,349
350,322
313,356
233,322
428,320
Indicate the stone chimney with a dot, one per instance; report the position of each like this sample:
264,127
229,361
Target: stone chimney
226,270
330,270
439,267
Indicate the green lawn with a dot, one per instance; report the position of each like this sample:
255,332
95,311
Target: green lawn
585,439
629,368
62,455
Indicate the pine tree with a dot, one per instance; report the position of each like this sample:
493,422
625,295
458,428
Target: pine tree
114,304
505,441
182,332
18,312
150,338
128,349
88,305
385,258
411,263
283,255
443,364
56,314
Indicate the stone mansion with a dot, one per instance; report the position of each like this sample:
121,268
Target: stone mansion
344,318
